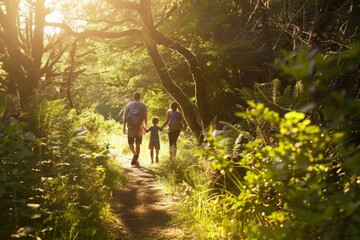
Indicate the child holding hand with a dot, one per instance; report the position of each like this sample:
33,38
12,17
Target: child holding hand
154,142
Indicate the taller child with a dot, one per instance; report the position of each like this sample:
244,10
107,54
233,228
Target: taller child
135,121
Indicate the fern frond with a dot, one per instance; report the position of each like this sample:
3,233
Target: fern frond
45,116
234,138
246,94
67,130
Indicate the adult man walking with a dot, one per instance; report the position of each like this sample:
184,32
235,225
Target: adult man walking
135,120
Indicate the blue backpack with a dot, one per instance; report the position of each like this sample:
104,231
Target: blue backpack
135,116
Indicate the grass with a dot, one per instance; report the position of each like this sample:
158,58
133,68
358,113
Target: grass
184,178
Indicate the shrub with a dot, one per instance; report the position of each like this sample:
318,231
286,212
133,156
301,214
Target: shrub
299,177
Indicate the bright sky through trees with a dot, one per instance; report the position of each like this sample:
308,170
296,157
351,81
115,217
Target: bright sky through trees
55,16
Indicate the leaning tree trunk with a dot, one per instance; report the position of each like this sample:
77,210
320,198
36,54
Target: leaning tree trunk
174,90
151,37
200,84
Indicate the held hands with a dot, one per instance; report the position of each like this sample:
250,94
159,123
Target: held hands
146,128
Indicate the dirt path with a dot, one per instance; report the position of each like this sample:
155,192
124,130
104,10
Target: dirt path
142,207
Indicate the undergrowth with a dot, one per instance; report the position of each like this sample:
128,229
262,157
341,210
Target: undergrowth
291,175
56,178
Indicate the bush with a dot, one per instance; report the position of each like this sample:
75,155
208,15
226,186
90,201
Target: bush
299,177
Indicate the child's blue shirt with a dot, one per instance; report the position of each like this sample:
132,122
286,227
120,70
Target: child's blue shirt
154,133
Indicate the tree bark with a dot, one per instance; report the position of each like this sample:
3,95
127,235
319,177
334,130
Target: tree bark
285,11
174,90
23,70
322,18
145,12
70,74
267,39
13,62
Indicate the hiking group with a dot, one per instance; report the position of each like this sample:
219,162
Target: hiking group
135,120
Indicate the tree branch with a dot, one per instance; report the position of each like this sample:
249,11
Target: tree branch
96,33
124,4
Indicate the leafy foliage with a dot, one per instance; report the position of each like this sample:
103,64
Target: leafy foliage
304,185
296,178
65,196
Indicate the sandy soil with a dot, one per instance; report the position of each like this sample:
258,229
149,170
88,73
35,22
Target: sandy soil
142,207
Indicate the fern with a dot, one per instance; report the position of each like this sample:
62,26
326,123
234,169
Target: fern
246,94
292,97
44,117
59,129
69,132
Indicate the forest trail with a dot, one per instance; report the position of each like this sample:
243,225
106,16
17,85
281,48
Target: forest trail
142,208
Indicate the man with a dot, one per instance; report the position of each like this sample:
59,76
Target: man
135,119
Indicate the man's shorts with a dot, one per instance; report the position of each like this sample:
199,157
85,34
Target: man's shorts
135,135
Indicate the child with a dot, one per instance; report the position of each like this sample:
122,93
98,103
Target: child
154,139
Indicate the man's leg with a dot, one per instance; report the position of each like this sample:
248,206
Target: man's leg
135,156
131,146
137,150
131,140
138,141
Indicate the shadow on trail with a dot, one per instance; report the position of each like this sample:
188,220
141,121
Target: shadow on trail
140,207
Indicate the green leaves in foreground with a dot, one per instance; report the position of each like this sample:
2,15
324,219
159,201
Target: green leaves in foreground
299,183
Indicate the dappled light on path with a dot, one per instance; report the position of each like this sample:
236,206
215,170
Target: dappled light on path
142,207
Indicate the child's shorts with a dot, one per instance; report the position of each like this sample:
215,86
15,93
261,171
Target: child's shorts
155,145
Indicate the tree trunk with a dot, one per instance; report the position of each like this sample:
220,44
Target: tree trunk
322,18
23,70
267,40
285,11
28,85
200,83
69,76
174,90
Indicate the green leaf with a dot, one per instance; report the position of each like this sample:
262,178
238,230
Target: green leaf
53,181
